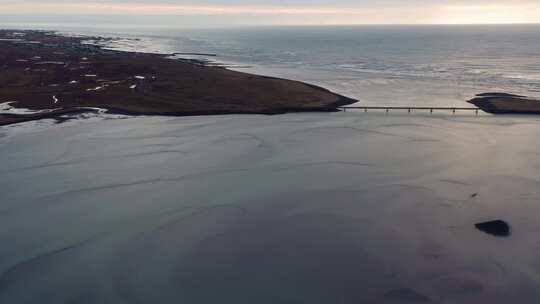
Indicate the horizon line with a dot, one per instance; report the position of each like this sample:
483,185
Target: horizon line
271,25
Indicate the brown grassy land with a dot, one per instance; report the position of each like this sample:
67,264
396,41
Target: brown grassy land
43,70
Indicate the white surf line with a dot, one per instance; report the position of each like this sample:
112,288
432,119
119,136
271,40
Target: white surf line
98,110
6,108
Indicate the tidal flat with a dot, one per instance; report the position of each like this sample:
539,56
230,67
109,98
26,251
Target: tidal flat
306,208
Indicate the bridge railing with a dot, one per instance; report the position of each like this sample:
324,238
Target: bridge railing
410,109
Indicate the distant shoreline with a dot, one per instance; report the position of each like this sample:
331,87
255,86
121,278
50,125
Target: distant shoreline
61,74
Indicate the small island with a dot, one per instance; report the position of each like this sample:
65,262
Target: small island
504,103
57,75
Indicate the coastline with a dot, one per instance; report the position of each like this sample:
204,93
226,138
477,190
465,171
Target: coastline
401,206
66,74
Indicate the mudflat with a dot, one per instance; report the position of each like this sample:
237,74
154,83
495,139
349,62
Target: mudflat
59,74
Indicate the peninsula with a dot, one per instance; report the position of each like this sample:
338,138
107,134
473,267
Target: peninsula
57,75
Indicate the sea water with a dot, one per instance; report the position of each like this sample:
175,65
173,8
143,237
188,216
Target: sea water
378,65
305,208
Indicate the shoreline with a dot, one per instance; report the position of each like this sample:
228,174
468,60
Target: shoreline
44,70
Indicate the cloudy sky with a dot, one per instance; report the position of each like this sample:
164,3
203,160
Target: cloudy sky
261,12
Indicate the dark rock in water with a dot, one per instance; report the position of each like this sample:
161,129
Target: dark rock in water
504,103
405,295
496,228
474,195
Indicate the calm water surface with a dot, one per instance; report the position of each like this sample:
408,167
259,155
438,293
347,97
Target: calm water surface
379,65
300,208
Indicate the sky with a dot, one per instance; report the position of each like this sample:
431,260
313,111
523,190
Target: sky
273,12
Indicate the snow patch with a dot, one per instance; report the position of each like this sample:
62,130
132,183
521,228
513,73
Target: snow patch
95,89
51,62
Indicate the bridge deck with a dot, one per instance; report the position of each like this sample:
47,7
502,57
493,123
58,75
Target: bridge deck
410,109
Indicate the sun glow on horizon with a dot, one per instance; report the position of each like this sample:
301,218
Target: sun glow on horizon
490,14
435,14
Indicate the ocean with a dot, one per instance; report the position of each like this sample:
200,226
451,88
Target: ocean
343,207
378,65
